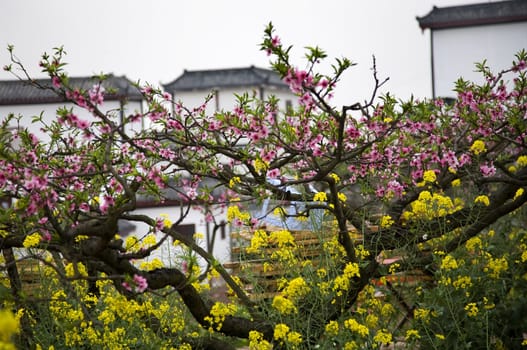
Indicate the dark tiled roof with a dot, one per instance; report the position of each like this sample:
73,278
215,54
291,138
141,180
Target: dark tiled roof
16,92
235,77
475,14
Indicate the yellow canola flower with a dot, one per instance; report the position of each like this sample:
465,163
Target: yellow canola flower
257,342
233,212
518,193
387,221
335,177
471,309
352,270
260,166
356,327
259,240
32,240
72,270
296,288
422,314
456,183
166,221
412,334
383,337
521,161
9,325
283,305
496,266
154,264
149,240
483,200
294,338
320,197
332,328
235,180
478,147
429,176
449,263
282,238
219,312
280,331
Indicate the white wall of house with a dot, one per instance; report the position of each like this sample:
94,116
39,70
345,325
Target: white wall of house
49,113
456,50
167,253
225,98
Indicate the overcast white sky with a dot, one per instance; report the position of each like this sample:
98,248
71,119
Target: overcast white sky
155,40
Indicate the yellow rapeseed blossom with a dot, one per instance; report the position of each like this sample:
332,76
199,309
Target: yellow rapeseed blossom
320,197
496,266
352,270
429,176
154,264
372,321
386,221
342,197
382,337
32,240
131,243
257,342
471,309
462,282
335,177
430,205
473,244
294,338
356,327
483,200
81,238
332,328
218,313
75,270
351,345
521,161
166,221
280,331
235,180
296,288
282,238
487,305
9,326
283,305
279,211
456,183
422,314
412,334
260,166
478,147
149,240
233,212
449,263
518,194
387,310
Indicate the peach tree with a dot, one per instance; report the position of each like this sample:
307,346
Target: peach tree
428,185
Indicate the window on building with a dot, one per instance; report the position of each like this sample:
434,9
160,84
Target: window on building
187,230
288,106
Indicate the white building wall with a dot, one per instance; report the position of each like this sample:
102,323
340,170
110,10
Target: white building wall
49,113
168,254
456,50
225,98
